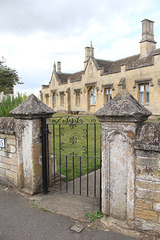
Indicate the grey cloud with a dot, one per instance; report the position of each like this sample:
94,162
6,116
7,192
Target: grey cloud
65,16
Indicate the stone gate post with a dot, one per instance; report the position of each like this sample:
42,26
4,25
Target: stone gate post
119,121
29,143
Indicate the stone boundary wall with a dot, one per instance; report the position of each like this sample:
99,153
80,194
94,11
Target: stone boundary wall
8,155
147,177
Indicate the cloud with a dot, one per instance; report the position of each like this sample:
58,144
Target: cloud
36,33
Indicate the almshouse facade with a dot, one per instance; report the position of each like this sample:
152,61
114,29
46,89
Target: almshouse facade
88,90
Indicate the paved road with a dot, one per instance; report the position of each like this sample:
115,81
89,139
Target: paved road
19,220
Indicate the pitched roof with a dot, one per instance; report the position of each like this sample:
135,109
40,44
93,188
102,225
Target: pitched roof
131,62
76,76
63,77
105,64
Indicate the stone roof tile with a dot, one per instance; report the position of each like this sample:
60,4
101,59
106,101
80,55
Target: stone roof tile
31,108
76,76
63,77
131,62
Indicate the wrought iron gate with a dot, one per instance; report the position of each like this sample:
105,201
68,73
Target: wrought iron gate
73,155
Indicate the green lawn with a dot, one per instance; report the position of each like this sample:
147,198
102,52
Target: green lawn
75,143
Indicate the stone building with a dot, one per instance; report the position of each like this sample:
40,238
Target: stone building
88,90
10,93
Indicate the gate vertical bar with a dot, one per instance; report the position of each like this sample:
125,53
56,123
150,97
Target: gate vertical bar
60,153
47,148
54,157
80,176
94,159
66,175
87,159
100,203
44,156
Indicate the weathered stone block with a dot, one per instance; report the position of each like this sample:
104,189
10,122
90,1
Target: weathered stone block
144,204
146,214
9,161
4,165
13,168
157,186
148,162
11,174
142,184
156,207
146,154
148,173
145,194
147,137
147,225
155,196
2,172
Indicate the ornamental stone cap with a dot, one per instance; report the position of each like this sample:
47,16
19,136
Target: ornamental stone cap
32,108
123,107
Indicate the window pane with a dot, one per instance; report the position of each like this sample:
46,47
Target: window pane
146,96
147,87
77,97
54,99
142,97
91,96
94,100
141,88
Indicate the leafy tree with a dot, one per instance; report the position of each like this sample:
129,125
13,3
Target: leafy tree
10,103
8,78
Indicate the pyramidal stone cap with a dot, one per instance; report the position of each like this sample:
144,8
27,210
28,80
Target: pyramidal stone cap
123,107
32,108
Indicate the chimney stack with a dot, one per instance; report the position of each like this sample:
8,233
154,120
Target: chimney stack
89,52
54,67
59,67
147,43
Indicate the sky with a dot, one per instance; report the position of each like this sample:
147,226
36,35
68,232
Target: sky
35,34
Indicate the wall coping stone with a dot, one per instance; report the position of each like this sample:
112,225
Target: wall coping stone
32,108
7,125
148,137
123,108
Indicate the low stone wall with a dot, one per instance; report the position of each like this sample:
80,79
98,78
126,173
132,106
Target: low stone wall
147,182
8,154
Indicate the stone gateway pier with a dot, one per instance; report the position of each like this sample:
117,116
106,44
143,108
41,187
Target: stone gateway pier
130,149
129,190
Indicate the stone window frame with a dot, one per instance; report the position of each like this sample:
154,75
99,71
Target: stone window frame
146,97
91,86
140,82
109,87
107,95
92,95
54,98
77,93
62,95
47,98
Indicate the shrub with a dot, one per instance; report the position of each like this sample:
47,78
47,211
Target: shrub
10,103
